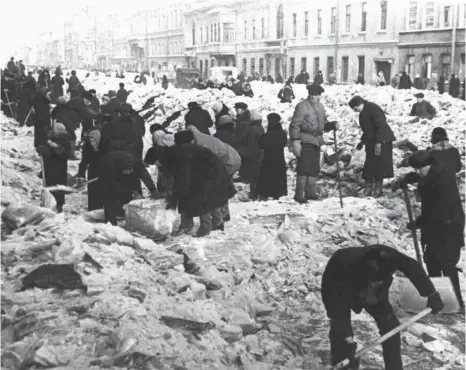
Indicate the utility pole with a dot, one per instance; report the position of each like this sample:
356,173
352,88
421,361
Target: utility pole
453,38
337,28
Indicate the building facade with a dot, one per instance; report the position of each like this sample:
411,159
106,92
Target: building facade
432,41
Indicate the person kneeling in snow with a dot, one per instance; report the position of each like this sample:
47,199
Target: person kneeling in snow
422,108
358,278
119,173
442,218
272,175
201,184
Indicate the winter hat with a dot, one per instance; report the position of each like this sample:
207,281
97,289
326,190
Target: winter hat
112,94
314,89
241,105
419,95
217,107
355,101
61,100
438,134
256,116
224,120
420,159
92,91
274,117
125,108
184,137
192,105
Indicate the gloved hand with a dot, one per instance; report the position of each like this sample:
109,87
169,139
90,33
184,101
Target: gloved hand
331,126
360,145
172,203
43,150
434,301
378,149
296,147
411,178
155,194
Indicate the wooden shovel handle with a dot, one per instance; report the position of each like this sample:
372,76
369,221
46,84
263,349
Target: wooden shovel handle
384,337
413,230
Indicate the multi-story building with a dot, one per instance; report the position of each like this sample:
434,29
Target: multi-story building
432,41
164,36
236,33
50,49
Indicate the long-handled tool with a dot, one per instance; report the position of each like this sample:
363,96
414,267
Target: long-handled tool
410,300
384,337
8,102
27,117
338,167
71,189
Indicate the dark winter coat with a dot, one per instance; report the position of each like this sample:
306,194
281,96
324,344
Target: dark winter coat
272,176
448,155
108,109
249,93
441,85
201,179
200,119
224,112
139,121
418,84
286,94
345,280
226,133
405,82
68,116
42,124
442,219
374,126
122,134
423,109
318,79
122,95
92,160
83,113
44,80
57,82
251,152
24,104
242,125
116,104
454,88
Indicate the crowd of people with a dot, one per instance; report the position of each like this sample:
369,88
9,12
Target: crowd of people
197,172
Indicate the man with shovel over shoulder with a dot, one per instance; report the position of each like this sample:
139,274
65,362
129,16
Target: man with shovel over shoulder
442,217
358,278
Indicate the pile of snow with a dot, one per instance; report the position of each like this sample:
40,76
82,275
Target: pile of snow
249,294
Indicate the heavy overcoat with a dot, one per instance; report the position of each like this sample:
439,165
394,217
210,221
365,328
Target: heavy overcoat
251,152
200,119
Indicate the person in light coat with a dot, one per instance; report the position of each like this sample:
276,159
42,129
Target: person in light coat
228,155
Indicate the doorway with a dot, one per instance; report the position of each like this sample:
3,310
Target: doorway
385,68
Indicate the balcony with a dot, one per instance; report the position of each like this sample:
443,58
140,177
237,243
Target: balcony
217,48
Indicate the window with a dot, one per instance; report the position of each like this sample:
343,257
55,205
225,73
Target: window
218,32
245,66
214,36
329,67
412,18
212,63
261,66
345,67
462,66
446,65
292,67
206,63
348,19
294,25
316,66
363,17
333,19
194,34
306,24
427,66
361,65
277,67
207,34
245,30
447,16
253,66
211,33
303,64
228,32
262,28
383,15
201,34
410,66
319,22
280,22
253,29
200,67
430,14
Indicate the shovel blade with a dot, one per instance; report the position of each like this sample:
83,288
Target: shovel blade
411,301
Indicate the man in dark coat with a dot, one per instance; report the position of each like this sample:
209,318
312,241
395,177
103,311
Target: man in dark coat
57,83
22,68
454,88
377,138
44,79
243,120
226,131
107,107
251,153
422,108
286,94
358,278
441,85
42,127
319,78
199,118
248,91
306,135
442,218
418,83
201,184
272,180
11,64
241,77
405,82
95,103
122,94
25,116
360,80
444,152
120,173
9,93
139,121
220,110
115,101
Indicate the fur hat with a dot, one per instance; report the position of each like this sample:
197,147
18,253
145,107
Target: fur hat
274,117
419,95
438,134
224,120
355,101
241,105
112,94
125,108
184,137
256,116
314,89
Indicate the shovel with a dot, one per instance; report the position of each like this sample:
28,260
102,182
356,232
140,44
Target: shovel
338,167
384,337
71,189
410,300
9,103
47,200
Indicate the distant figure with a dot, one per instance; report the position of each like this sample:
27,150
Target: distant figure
319,78
422,108
380,79
360,80
441,85
454,88
395,81
405,82
418,83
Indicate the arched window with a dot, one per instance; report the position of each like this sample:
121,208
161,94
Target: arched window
280,22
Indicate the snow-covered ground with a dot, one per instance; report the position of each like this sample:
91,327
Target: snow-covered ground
256,304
